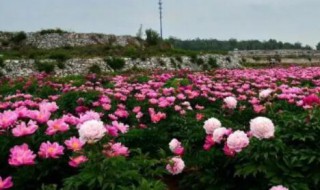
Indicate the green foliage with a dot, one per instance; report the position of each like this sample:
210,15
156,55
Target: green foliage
1,62
116,173
213,62
153,37
52,31
18,37
200,61
232,44
115,63
143,79
68,101
318,46
47,67
193,58
176,82
59,56
179,59
95,69
61,65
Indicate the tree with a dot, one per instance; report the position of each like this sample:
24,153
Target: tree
153,37
318,46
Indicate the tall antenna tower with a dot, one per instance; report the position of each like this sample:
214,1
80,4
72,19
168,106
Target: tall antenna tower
160,14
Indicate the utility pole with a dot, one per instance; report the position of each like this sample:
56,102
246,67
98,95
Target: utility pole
160,12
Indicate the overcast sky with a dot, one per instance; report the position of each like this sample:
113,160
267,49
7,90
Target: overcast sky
285,20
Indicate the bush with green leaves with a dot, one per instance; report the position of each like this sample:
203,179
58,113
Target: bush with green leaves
153,37
18,37
95,69
47,67
115,63
213,62
1,62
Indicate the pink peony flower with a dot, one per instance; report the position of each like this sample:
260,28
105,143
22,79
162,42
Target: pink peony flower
156,117
199,116
22,129
21,155
175,147
76,161
219,133
89,115
7,119
259,108
115,149
230,102
91,131
227,151
311,100
262,128
57,125
41,116
50,150
74,144
237,141
175,165
6,183
48,106
120,126
278,187
211,124
208,142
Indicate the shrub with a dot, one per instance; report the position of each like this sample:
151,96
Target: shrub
213,62
153,37
200,61
161,62
143,79
95,69
18,37
52,31
115,63
47,67
1,62
61,65
68,101
59,56
179,59
173,63
193,58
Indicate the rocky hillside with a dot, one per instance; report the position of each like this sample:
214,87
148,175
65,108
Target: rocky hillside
52,39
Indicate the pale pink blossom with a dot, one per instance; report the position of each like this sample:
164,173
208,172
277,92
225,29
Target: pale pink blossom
91,131
262,128
219,133
176,147
230,102
237,141
278,187
211,124
175,165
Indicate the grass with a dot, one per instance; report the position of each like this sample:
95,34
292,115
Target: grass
98,51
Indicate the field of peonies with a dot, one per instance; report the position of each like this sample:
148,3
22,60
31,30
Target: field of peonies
249,129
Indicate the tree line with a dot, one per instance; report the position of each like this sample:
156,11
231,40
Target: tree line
232,44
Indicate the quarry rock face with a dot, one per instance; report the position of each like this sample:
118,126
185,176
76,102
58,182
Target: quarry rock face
69,39
79,66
